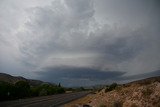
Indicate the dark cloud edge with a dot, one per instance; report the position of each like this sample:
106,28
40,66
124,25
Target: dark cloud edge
62,74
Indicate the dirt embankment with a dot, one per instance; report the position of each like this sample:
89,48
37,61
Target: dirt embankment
136,94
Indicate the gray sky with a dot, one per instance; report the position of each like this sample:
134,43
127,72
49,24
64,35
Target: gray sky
80,42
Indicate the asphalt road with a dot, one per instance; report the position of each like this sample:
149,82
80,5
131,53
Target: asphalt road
45,101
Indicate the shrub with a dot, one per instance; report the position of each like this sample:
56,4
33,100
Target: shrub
111,87
118,88
22,89
43,92
34,91
7,91
60,90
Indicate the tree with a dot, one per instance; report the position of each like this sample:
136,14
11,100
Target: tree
59,85
22,89
7,91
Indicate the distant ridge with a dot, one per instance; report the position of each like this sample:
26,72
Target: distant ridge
13,79
145,81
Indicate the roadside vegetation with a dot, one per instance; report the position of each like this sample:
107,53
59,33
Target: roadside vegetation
22,89
111,87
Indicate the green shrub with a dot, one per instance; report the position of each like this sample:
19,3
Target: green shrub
43,92
34,91
60,90
22,89
7,91
111,87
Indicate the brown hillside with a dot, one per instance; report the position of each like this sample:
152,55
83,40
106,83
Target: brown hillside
141,93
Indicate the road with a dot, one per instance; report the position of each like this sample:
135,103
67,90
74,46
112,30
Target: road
45,101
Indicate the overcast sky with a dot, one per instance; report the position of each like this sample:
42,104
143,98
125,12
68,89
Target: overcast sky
80,42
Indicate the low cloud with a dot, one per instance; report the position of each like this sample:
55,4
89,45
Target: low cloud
87,76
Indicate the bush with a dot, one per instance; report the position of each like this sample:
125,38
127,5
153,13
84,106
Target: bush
7,91
111,87
60,90
22,89
46,89
43,92
34,91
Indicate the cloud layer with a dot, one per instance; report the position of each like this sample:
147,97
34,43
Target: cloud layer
102,37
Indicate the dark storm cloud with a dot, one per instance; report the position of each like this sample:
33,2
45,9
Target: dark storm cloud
70,35
89,36
123,48
87,76
82,73
66,74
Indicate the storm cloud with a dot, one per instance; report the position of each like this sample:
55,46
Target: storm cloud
68,38
86,76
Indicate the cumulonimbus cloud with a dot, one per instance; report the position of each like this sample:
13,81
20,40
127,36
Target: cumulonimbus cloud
98,35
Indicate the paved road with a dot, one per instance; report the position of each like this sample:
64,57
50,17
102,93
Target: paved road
45,101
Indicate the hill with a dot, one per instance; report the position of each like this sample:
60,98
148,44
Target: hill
145,81
141,93
13,79
12,87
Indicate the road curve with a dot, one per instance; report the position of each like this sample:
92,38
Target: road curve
45,101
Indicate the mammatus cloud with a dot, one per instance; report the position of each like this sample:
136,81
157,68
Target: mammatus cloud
109,36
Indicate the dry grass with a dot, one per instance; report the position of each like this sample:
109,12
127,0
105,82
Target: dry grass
135,95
